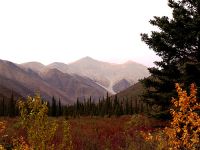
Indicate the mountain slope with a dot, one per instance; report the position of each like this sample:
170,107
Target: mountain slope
74,86
60,66
27,82
50,82
133,92
36,66
121,85
108,74
5,93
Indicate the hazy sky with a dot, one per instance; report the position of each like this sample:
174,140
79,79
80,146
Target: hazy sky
66,30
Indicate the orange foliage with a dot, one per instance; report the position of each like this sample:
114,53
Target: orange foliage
184,131
2,126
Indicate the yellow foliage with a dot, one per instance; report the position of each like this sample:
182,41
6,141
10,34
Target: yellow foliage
40,130
2,128
33,115
184,131
67,139
20,144
158,139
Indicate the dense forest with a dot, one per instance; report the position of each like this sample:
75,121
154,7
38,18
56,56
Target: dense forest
108,106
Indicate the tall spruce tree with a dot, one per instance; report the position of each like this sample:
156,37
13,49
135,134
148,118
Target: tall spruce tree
11,106
53,107
178,44
2,107
60,111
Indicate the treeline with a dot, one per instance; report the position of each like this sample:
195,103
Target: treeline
8,106
106,106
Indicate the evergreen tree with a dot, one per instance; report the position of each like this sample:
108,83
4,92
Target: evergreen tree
2,107
178,44
53,107
49,108
121,110
60,111
11,106
77,107
108,106
115,105
131,106
102,107
127,108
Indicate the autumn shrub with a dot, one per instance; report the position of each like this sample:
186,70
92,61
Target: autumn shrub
136,130
157,139
20,144
139,121
184,130
34,119
67,139
2,128
39,128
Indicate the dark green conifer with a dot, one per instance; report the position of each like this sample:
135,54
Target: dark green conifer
12,106
60,110
177,42
53,107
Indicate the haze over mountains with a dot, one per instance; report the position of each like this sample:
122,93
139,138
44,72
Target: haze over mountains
107,75
83,78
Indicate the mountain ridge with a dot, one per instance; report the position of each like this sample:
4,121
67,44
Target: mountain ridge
105,74
25,82
80,79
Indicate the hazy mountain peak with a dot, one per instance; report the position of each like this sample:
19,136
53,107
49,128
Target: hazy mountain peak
56,63
50,82
111,77
86,59
33,63
60,66
35,66
129,62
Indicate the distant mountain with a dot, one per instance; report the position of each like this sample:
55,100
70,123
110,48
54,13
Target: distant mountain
7,92
108,75
133,92
36,66
50,82
121,85
83,78
73,86
26,82
60,66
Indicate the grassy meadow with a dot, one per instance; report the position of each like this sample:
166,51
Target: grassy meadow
89,133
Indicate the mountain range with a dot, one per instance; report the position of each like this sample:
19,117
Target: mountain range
80,79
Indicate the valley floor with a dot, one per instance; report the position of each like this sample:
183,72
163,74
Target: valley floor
94,133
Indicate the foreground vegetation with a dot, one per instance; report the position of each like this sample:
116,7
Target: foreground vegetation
85,133
33,129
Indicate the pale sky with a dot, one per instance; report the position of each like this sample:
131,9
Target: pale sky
67,30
